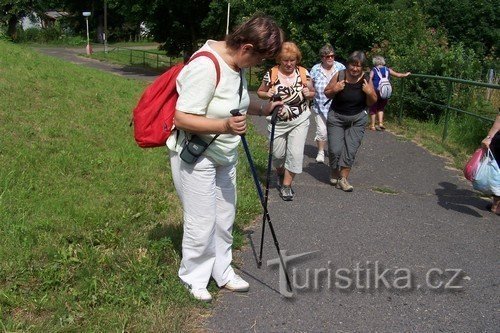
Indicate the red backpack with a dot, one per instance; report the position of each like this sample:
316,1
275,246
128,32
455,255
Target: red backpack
153,117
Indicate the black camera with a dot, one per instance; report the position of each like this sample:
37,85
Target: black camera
193,149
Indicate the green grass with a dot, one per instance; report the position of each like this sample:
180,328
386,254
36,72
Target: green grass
464,135
90,223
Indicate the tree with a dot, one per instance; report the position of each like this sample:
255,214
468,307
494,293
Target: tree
12,11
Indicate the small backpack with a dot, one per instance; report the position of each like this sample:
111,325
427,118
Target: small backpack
384,86
153,117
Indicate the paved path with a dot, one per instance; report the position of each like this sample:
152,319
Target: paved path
408,212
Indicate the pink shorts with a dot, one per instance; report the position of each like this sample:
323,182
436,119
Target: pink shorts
379,105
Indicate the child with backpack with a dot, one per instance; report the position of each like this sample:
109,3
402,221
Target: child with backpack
380,78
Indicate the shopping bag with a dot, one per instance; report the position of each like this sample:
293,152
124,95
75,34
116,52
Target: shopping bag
487,179
472,165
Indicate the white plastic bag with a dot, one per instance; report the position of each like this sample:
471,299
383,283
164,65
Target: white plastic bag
487,178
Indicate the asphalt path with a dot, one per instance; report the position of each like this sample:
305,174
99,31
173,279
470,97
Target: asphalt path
411,249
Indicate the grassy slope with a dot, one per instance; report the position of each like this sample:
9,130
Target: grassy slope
90,224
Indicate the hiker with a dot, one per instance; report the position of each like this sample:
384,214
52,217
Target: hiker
352,94
321,74
293,85
207,188
492,142
377,109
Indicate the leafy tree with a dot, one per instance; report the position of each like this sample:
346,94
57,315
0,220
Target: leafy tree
12,11
474,23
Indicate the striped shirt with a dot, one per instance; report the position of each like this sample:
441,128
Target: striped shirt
320,81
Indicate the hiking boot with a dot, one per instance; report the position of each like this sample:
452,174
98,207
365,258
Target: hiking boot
237,284
286,193
201,294
320,158
344,185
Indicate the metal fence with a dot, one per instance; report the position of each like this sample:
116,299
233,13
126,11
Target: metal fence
448,101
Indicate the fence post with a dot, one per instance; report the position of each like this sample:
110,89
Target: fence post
143,59
447,112
400,116
131,56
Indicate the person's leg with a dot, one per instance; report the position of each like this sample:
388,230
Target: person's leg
380,118
279,151
335,129
353,137
380,113
225,189
373,113
294,157
199,203
321,137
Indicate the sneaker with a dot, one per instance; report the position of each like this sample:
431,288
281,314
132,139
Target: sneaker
320,158
286,193
344,185
237,284
201,294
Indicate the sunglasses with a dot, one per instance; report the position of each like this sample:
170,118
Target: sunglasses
329,56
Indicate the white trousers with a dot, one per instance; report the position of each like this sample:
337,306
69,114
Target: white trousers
208,195
288,148
321,134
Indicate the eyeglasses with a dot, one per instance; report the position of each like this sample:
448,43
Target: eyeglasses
329,56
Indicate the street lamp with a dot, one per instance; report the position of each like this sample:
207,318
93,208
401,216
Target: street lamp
89,48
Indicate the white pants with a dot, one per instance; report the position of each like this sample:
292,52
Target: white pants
208,195
288,148
321,133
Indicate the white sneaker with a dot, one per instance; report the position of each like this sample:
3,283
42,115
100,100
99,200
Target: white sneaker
201,294
320,158
237,284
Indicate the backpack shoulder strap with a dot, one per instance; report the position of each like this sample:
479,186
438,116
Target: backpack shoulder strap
303,75
341,76
273,75
214,60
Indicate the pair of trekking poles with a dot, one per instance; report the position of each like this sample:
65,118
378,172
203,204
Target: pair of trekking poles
264,197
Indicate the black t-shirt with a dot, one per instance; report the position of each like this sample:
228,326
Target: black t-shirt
351,100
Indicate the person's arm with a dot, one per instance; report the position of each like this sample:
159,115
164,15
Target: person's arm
333,87
371,95
199,124
257,108
308,90
397,74
493,130
371,77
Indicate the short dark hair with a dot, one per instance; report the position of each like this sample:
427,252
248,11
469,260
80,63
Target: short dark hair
262,32
357,57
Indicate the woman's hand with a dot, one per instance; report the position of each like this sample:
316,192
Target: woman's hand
236,125
271,92
339,86
367,88
486,142
270,107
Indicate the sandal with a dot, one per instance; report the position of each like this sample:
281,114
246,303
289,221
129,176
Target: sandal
382,127
378,128
371,128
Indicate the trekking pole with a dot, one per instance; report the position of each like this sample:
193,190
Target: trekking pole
236,112
274,116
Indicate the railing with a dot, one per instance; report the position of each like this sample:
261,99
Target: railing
143,58
447,106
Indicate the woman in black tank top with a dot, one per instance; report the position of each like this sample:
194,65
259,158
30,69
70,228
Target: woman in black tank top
351,94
